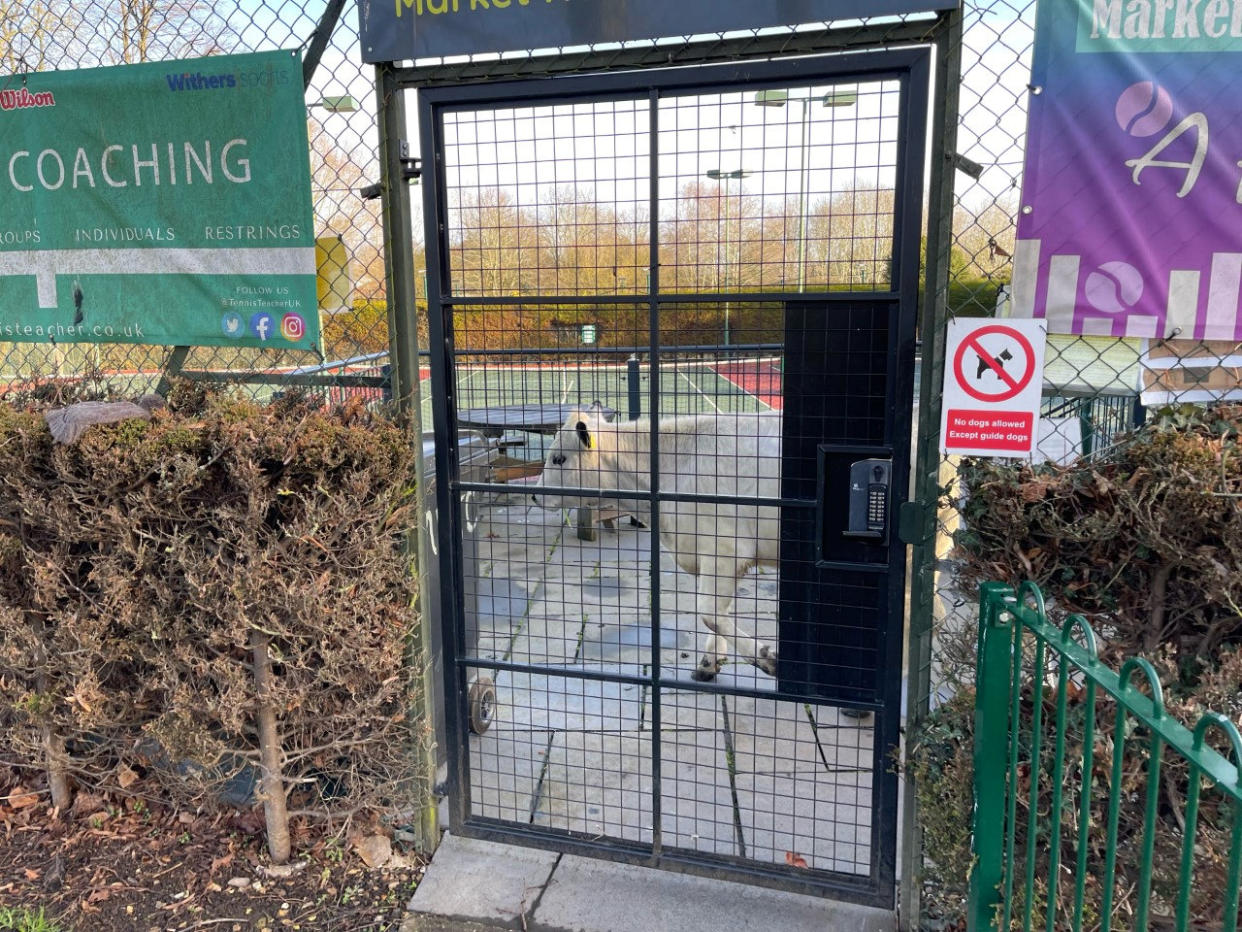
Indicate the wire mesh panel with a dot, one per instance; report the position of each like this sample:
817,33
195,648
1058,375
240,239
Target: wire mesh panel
630,299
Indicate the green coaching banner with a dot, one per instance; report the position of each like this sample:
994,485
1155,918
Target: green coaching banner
164,203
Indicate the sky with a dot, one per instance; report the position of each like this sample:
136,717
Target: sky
602,147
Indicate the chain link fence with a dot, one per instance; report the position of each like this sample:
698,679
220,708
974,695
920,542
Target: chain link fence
1095,386
1113,552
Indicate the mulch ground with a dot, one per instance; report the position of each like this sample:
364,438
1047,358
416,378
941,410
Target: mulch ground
120,864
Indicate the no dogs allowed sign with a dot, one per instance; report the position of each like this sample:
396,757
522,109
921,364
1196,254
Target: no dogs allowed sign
993,380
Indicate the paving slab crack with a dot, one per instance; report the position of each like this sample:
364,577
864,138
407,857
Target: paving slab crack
731,761
528,914
537,796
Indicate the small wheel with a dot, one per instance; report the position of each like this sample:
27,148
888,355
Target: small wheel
482,699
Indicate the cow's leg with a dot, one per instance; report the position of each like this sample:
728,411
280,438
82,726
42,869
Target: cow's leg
716,586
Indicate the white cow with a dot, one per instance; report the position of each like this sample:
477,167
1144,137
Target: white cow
721,455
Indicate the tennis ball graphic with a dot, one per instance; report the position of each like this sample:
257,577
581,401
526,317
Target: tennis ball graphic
1143,109
1114,287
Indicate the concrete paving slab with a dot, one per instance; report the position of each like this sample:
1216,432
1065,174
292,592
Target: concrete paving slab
629,641
505,767
826,824
595,896
566,703
598,784
546,639
771,781
697,811
797,738
481,882
681,708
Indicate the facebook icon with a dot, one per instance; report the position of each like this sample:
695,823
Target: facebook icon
261,325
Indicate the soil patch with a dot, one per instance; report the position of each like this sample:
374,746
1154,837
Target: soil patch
120,864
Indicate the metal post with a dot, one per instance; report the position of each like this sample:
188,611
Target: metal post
992,690
403,352
398,244
721,188
804,182
923,558
722,179
632,384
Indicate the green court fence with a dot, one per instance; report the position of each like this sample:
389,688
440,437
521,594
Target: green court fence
1063,744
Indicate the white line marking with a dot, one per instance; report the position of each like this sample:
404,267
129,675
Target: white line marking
699,390
46,264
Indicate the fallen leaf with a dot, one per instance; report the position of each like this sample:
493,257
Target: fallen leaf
98,895
374,850
20,798
794,860
87,803
126,776
31,873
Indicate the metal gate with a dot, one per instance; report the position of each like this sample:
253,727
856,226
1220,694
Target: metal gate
679,301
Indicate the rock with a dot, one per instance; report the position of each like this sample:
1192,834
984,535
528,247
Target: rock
70,423
282,871
401,862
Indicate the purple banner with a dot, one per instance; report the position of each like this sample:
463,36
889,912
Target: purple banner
1131,217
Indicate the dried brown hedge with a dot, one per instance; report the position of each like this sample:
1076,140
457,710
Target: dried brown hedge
143,570
1147,542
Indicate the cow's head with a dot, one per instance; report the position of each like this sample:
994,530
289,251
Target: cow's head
573,460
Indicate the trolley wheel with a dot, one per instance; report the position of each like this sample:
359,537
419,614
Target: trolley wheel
482,699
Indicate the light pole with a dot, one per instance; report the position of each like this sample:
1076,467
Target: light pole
720,177
779,98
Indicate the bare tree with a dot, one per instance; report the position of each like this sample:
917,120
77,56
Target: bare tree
128,31
985,235
30,31
493,245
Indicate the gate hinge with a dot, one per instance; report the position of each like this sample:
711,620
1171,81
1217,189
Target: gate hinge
915,522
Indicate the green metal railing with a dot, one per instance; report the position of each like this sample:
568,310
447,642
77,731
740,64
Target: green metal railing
1053,852
1102,419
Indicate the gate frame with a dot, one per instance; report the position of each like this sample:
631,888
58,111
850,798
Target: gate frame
911,69
943,31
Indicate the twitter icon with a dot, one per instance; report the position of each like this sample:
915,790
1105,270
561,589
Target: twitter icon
231,324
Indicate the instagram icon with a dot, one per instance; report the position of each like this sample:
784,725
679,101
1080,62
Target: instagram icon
292,327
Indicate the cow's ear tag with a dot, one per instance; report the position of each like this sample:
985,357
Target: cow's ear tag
584,435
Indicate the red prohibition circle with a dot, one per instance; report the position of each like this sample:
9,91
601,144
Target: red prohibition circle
1015,386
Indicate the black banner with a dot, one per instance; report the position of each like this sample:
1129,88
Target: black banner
396,30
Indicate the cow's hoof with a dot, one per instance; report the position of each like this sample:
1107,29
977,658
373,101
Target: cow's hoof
706,671
766,661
